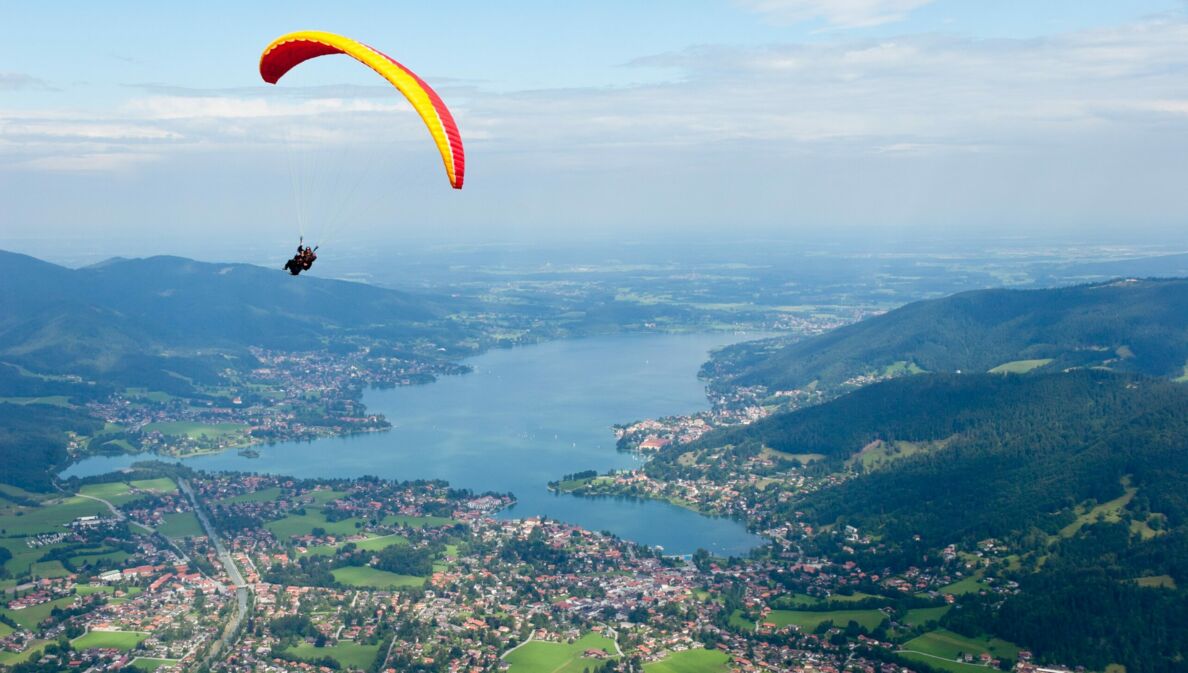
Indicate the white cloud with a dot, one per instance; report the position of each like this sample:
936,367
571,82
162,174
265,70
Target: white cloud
838,13
13,81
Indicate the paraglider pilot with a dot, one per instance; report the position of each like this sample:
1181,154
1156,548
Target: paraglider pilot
303,260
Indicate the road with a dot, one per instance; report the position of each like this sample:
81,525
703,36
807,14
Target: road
241,587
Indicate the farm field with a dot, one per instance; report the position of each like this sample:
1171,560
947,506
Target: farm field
549,657
691,661
48,517
33,615
347,654
417,521
149,664
370,544
13,658
366,576
1020,366
303,524
264,495
948,645
120,640
807,621
921,616
180,524
195,430
966,585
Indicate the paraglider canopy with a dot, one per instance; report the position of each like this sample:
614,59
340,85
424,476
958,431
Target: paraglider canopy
288,51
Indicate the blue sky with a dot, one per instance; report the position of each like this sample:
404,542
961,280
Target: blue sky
147,121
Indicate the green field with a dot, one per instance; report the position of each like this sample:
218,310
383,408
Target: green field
49,517
196,430
348,654
1107,511
366,576
1020,366
417,521
180,524
120,640
150,664
966,585
303,524
30,617
48,569
1157,581
52,400
793,601
921,616
111,555
739,620
879,453
807,621
948,646
13,658
263,495
546,657
691,661
370,544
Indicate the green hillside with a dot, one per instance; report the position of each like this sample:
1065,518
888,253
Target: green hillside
1134,325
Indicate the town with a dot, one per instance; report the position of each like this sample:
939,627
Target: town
166,569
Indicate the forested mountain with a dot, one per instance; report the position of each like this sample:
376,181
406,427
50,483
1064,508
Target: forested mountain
128,318
1082,475
1128,325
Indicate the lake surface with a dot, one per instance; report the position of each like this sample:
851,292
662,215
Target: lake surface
522,418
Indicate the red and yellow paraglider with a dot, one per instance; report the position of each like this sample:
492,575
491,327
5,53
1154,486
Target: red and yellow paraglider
288,51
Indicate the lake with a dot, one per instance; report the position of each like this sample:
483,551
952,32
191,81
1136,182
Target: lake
522,418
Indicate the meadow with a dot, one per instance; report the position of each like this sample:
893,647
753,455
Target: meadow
691,661
550,657
366,576
346,653
119,640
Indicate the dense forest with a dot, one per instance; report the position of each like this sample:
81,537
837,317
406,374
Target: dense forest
32,437
1083,475
1139,326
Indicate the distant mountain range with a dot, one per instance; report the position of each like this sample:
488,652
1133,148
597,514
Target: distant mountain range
127,318
1128,325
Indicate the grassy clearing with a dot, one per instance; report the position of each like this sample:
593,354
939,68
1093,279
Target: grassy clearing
366,576
921,616
13,658
967,585
370,544
303,524
901,368
30,617
49,517
794,601
48,569
879,453
346,653
180,524
196,430
1159,581
691,661
52,400
149,664
263,495
1107,511
119,640
949,645
1020,366
739,620
808,621
547,657
417,521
